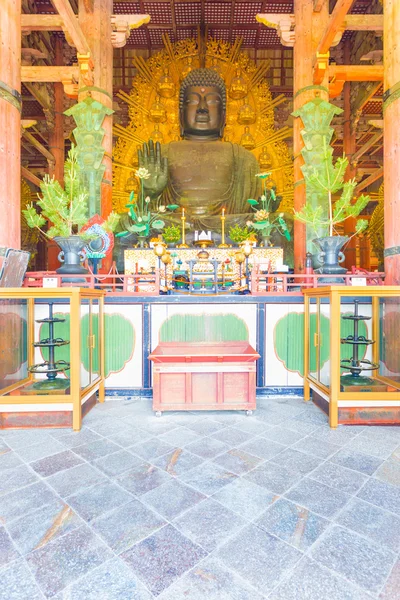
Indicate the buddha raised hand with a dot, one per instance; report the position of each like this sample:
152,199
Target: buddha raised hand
150,159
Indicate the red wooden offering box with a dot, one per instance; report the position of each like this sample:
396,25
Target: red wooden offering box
204,376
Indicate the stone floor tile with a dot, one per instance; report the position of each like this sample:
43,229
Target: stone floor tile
389,471
206,426
297,461
9,460
315,447
313,416
253,426
93,502
171,499
237,461
117,463
258,557
338,477
74,480
4,448
208,524
58,462
276,478
317,497
38,451
301,426
292,523
17,439
153,425
162,558
96,449
107,425
17,583
37,529
381,494
340,436
381,448
210,580
70,439
151,449
177,462
24,501
114,580
8,552
232,436
363,463
129,437
13,479
391,591
362,562
208,478
245,498
380,525
179,437
282,436
126,525
311,581
207,447
270,417
142,479
63,560
262,448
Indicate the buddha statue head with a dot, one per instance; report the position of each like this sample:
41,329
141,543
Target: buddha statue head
202,105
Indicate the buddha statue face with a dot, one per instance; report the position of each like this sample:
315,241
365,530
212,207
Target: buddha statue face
202,105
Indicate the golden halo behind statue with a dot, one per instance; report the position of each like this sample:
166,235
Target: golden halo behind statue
154,111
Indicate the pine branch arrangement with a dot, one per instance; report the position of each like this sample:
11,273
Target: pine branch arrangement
66,209
328,178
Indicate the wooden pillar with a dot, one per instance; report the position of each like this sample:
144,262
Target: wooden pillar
391,115
57,148
308,31
10,124
95,21
349,148
365,253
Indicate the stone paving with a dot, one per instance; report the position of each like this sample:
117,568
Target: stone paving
201,506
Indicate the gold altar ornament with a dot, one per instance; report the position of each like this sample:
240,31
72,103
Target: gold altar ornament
223,244
183,244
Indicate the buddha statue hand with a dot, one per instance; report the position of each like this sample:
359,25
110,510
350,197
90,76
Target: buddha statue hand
150,159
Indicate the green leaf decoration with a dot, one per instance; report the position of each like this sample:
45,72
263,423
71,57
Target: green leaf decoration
122,234
138,228
158,224
272,192
172,206
252,202
260,224
131,196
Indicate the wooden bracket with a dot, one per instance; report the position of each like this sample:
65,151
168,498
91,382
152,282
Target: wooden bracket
283,23
86,67
121,26
320,67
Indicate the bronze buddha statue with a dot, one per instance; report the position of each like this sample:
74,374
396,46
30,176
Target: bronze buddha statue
201,173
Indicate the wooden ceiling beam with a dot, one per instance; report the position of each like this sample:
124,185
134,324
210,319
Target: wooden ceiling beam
375,138
336,20
371,179
34,22
36,144
364,22
72,27
30,177
356,72
49,74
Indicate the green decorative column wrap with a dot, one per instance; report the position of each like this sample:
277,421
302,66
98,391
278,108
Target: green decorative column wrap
89,116
289,340
119,341
204,328
317,135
